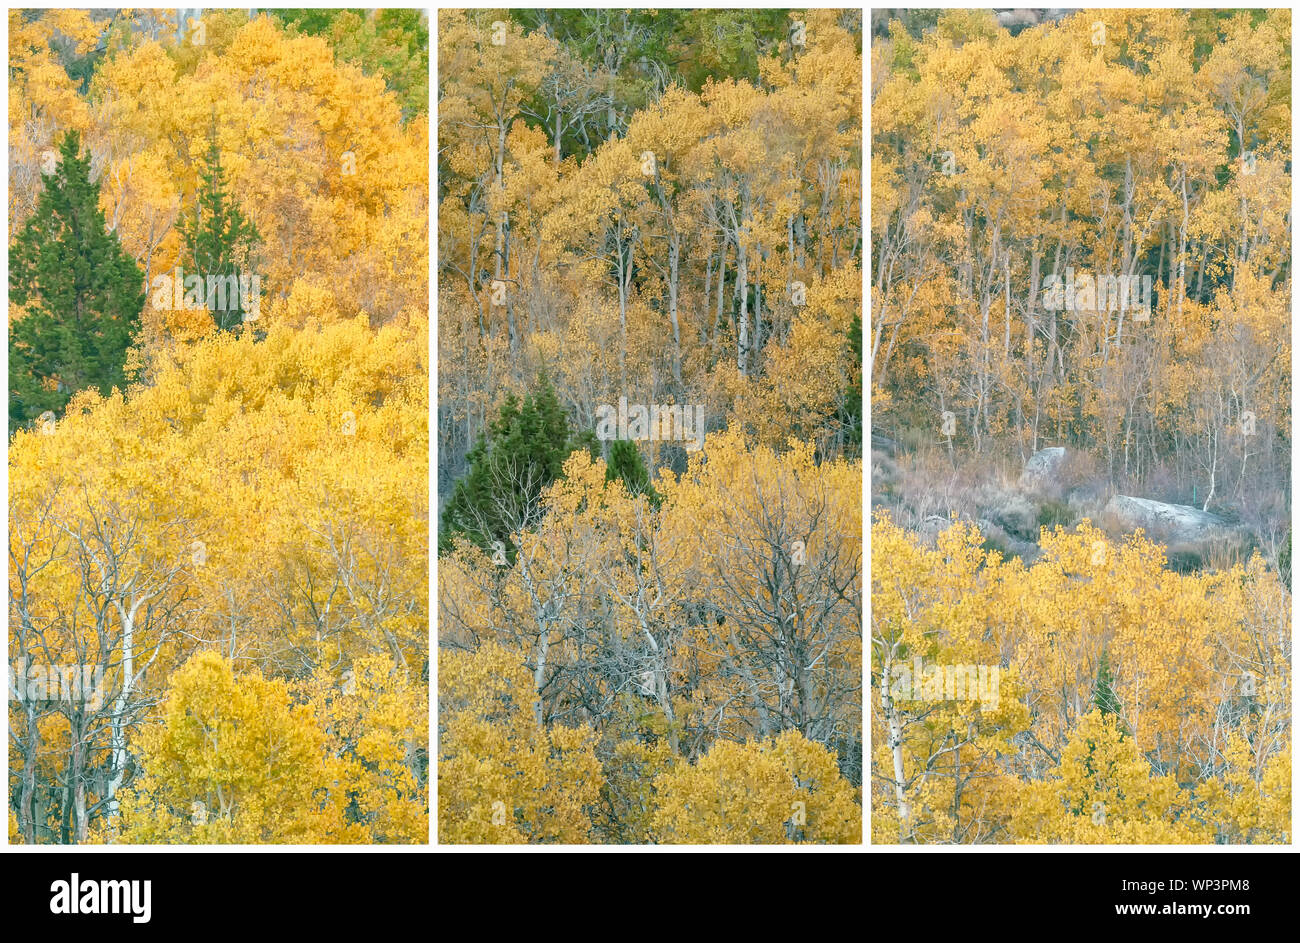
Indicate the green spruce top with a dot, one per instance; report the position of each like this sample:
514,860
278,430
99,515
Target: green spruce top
522,452
82,296
220,242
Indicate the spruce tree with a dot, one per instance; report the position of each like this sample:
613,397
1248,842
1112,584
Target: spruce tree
625,463
522,452
82,296
220,242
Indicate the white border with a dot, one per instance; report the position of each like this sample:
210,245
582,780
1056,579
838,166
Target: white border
866,506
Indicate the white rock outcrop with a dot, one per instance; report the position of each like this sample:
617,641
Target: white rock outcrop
1178,521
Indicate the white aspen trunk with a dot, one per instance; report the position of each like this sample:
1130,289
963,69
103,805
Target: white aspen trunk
742,314
674,259
118,725
896,749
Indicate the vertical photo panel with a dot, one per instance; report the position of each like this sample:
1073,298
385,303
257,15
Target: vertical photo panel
649,572
218,507
1081,427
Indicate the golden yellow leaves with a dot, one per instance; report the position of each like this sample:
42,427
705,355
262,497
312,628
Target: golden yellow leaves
1194,739
234,762
783,790
243,759
1158,132
43,100
376,717
285,484
317,154
805,375
609,579
272,481
502,776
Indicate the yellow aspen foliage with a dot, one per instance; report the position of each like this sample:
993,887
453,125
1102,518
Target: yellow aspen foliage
503,778
944,706
233,762
805,374
1246,804
1133,704
778,791
1144,148
1104,792
275,493
662,225
629,798
236,522
375,715
43,99
673,626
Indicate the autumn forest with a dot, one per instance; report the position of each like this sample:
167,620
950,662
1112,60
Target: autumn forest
651,296
218,398
1080,354
649,426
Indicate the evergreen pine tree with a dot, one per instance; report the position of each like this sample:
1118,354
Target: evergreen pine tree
625,463
220,243
82,295
522,452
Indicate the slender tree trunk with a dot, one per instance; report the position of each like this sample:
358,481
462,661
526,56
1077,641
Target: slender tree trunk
896,750
742,290
674,259
539,671
118,723
27,795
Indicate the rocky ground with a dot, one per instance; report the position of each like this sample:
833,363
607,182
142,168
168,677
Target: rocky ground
1056,487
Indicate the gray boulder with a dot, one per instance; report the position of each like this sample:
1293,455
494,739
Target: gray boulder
1042,467
1174,521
